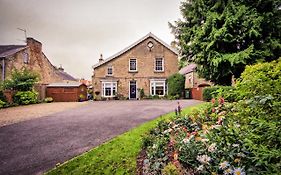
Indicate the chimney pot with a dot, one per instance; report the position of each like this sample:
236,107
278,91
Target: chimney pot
101,58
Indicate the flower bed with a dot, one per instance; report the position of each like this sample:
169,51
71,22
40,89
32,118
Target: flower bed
215,140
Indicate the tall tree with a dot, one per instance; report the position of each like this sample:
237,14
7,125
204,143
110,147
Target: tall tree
223,36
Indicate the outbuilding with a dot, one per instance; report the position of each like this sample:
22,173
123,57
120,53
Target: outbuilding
67,92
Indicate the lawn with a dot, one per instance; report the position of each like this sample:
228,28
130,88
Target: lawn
117,156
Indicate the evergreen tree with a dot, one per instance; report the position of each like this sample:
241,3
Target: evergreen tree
223,36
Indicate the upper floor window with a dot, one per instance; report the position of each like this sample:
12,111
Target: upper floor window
109,70
133,64
25,57
159,64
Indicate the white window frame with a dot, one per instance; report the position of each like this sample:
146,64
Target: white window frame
130,70
153,83
163,67
111,85
111,71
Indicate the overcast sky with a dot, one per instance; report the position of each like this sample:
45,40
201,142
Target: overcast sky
75,32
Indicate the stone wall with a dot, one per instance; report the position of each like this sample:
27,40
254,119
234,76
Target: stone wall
145,67
192,80
38,62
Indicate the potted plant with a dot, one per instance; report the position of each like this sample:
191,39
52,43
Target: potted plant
81,97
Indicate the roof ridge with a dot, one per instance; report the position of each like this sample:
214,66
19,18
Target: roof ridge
133,45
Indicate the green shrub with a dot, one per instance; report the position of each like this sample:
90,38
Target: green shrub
22,80
227,138
25,97
176,83
2,96
141,91
48,100
260,79
170,169
227,92
209,92
2,104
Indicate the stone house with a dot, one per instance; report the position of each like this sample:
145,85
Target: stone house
30,56
146,64
192,80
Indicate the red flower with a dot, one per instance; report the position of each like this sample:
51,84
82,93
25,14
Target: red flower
221,100
213,100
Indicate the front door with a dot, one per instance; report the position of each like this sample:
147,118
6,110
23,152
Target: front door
133,90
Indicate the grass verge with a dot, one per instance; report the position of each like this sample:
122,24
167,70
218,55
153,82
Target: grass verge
117,156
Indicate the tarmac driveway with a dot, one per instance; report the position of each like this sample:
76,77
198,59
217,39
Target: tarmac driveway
34,146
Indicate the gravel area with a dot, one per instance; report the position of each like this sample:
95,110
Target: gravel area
17,114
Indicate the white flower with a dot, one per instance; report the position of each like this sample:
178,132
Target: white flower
235,145
200,168
215,126
205,140
204,159
241,155
212,148
224,165
227,171
186,140
167,131
238,171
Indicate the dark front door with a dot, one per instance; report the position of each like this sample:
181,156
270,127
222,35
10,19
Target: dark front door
133,90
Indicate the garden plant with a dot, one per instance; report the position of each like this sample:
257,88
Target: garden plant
242,137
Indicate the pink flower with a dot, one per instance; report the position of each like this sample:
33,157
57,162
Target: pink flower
221,100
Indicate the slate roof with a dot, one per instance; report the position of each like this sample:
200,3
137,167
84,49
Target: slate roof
133,45
69,84
187,69
65,76
8,50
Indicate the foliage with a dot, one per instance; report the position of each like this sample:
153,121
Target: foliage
141,91
170,169
227,92
219,139
222,37
22,80
81,97
228,138
117,156
2,96
48,100
176,83
208,92
2,104
262,79
25,97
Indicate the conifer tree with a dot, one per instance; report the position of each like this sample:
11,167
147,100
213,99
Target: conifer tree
224,36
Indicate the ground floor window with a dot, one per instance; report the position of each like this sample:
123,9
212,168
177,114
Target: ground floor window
109,89
158,87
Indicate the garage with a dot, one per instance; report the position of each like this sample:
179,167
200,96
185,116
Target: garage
67,92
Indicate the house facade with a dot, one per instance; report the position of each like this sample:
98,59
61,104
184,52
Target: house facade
146,64
31,57
192,80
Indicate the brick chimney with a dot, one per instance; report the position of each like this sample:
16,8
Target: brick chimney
34,45
101,58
